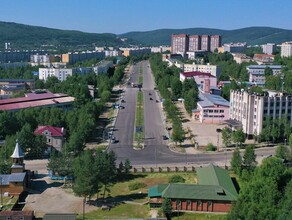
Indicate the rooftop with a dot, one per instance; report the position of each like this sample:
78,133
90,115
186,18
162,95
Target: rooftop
197,73
264,66
54,131
206,100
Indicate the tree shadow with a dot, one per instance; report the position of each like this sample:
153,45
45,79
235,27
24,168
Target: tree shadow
235,183
38,186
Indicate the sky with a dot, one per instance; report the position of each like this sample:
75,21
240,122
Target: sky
121,16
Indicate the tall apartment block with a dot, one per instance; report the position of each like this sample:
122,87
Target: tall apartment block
194,42
269,48
250,109
215,42
179,43
286,49
205,42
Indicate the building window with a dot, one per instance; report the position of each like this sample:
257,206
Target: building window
211,111
209,203
189,202
221,111
199,203
216,111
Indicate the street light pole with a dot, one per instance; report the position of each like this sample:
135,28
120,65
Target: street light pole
1,191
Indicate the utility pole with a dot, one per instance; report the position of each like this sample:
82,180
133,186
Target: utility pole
1,191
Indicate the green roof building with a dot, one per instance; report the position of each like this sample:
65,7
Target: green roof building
214,192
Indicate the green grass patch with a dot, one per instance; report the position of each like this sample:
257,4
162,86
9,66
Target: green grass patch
198,216
139,136
122,211
136,185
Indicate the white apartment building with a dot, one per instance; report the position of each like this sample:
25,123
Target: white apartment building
61,73
213,69
112,53
250,109
39,59
269,48
286,49
257,72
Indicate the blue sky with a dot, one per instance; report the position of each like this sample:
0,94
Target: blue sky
121,16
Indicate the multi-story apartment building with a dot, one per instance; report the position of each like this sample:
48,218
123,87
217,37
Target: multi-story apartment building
18,56
72,58
199,78
286,49
264,58
160,49
213,69
205,42
194,42
179,43
135,51
215,42
250,109
268,48
38,59
257,72
234,47
62,73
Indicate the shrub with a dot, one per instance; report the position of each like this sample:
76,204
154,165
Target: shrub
176,179
136,185
211,147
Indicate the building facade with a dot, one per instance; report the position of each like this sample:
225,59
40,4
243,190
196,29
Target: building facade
211,109
205,42
179,43
73,57
269,48
234,47
135,51
286,49
62,73
55,136
213,69
102,67
250,109
257,72
215,42
38,59
194,42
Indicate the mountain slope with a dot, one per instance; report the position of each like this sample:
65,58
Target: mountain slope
26,36
251,35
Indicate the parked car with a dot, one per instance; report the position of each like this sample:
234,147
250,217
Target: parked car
157,101
122,100
164,137
121,107
150,98
150,93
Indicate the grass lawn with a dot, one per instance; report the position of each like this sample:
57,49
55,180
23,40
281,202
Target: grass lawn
120,193
122,211
139,136
198,216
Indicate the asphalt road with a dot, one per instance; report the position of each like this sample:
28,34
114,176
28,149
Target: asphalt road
155,151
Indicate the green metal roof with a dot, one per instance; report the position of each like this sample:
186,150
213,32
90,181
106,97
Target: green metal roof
216,176
156,191
214,183
193,191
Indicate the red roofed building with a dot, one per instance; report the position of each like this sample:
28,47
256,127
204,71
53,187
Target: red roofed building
200,78
55,136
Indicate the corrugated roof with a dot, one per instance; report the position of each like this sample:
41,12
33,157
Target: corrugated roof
17,177
193,191
156,191
55,131
207,99
5,179
216,176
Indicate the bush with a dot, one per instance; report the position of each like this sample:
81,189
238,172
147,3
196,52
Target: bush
136,185
211,147
176,179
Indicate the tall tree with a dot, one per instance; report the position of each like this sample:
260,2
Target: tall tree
236,161
249,158
238,137
226,136
167,208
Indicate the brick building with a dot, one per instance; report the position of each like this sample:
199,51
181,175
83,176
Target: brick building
214,192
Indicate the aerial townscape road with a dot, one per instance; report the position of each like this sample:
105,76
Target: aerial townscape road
155,151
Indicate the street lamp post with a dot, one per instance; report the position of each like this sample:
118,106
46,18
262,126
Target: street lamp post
1,191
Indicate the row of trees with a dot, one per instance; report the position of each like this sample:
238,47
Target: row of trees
169,87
